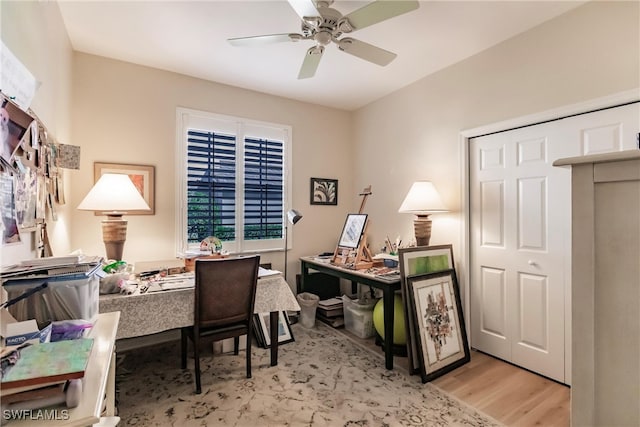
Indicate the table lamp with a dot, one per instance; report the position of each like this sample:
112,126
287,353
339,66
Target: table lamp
113,195
422,200
293,216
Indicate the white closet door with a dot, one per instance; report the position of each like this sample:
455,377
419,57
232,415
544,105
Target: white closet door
520,235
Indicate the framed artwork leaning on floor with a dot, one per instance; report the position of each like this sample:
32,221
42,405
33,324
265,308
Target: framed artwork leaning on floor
437,313
263,333
420,260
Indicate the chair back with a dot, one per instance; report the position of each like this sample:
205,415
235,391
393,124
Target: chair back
225,291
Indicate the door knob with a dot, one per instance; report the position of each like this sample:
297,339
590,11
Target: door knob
532,263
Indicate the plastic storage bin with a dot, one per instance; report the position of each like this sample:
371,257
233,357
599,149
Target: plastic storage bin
65,297
358,316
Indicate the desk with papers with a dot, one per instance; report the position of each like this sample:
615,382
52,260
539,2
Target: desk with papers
389,284
153,312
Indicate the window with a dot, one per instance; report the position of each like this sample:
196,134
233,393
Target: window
232,176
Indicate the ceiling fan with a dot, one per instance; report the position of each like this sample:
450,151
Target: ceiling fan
324,25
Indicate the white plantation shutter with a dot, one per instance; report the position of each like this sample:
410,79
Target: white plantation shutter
236,185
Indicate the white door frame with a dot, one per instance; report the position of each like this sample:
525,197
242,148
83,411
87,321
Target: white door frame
545,116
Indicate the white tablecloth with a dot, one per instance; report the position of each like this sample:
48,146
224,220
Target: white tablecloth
155,312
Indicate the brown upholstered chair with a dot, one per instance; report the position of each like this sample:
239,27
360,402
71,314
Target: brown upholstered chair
225,292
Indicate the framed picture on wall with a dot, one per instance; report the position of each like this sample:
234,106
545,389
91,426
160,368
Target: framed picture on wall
415,261
437,313
324,191
142,176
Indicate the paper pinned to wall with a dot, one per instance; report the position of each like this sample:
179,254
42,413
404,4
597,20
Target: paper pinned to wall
16,81
67,156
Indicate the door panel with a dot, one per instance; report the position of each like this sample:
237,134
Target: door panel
532,213
494,298
534,302
492,213
520,234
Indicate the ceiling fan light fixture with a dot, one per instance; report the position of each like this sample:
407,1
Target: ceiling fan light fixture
323,37
324,25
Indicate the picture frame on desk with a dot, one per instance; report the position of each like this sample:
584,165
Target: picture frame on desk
437,312
352,231
263,331
415,261
142,176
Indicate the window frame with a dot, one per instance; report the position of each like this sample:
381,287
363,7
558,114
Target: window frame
187,118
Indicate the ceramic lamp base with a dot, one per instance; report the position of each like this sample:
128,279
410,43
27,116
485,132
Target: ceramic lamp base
114,234
422,229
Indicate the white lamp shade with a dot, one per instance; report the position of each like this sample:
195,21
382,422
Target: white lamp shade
422,199
113,192
294,216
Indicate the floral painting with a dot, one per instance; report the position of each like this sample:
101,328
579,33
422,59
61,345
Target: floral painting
437,312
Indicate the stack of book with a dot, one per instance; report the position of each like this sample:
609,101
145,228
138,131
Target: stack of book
330,311
41,375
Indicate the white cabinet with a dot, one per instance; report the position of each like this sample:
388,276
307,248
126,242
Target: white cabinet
605,289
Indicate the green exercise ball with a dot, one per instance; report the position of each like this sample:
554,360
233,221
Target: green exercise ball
399,331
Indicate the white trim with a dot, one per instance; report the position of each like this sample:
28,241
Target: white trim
568,110
531,119
241,127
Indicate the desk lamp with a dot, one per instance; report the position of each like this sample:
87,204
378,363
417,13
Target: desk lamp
422,200
113,195
293,216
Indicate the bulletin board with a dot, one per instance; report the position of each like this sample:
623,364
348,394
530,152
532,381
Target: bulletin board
31,180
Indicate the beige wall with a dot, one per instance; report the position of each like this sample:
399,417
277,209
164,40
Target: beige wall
414,133
34,33
125,113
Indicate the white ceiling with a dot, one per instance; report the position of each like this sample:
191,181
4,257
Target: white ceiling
189,37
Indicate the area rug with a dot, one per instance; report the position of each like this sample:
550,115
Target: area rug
322,379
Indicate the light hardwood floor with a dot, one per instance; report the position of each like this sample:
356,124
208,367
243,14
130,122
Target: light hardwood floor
511,395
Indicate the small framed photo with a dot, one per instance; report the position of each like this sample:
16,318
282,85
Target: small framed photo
352,230
263,331
437,313
142,176
324,191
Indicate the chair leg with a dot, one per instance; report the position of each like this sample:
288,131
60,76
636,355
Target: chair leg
248,350
183,346
196,357
236,345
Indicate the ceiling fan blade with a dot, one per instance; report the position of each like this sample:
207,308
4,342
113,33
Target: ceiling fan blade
311,61
262,40
366,51
378,11
304,8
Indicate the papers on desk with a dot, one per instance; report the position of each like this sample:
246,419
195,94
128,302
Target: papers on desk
187,280
53,266
174,281
264,272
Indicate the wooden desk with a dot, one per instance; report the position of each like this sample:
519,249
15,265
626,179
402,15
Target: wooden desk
98,382
388,286
155,312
